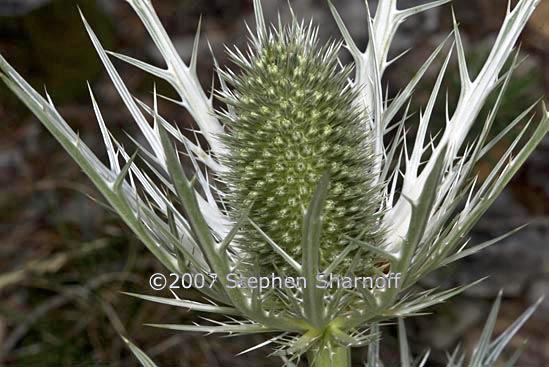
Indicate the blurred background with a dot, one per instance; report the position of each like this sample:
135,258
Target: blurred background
64,258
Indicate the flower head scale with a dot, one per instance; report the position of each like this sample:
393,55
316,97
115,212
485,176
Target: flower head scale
408,218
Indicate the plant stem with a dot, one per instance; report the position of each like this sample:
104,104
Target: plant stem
330,356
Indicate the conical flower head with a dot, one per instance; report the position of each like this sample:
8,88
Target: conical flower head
292,118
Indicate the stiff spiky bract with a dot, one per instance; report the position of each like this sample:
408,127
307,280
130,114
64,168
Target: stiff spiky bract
300,177
291,117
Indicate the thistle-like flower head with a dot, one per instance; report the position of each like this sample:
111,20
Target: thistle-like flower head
291,117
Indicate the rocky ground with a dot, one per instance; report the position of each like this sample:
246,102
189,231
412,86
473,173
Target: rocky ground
63,258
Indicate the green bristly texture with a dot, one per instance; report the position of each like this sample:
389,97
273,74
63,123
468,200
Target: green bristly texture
330,355
290,118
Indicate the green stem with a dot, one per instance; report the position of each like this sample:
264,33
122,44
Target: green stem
330,356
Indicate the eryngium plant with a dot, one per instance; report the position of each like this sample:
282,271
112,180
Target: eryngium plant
307,170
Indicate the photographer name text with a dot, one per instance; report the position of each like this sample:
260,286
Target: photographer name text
160,281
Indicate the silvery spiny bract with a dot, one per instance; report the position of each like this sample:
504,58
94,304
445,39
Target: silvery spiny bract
308,169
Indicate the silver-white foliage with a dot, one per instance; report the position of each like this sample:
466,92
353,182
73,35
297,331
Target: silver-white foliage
486,353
